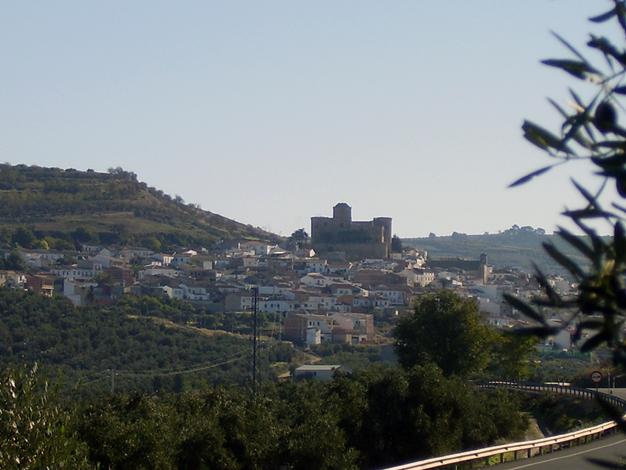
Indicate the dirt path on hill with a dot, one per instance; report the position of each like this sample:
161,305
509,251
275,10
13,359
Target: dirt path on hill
194,329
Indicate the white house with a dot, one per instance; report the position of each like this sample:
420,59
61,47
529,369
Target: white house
195,293
77,291
316,280
315,265
85,272
173,292
12,279
163,258
40,258
282,291
362,301
379,301
395,297
276,306
319,302
135,252
313,336
250,261
184,258
157,271
256,247
339,290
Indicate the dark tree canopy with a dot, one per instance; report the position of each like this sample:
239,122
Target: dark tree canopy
380,418
299,235
13,261
445,329
298,239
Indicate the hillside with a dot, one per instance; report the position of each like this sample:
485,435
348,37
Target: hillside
81,345
110,208
512,248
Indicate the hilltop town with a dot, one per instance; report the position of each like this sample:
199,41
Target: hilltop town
346,284
142,331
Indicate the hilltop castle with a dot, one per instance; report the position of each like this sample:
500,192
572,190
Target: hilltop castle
357,239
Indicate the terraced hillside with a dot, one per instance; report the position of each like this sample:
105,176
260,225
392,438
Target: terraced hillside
110,208
515,247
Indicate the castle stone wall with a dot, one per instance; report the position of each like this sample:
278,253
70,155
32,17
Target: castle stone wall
358,239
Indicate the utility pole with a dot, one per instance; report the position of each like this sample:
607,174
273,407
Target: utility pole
112,381
254,334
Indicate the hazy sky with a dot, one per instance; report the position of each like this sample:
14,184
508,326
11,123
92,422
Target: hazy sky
270,112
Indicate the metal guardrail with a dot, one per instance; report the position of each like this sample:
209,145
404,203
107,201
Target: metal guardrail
527,449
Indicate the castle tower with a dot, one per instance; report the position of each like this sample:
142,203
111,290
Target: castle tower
342,212
356,239
385,224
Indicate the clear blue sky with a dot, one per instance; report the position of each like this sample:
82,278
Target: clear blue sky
270,112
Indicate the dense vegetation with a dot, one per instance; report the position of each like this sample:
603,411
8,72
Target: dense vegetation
378,416
381,417
55,208
84,344
447,330
558,414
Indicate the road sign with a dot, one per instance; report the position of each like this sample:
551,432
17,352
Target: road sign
596,377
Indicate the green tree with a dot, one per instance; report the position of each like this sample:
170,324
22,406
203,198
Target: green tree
590,132
42,244
445,329
152,243
36,432
82,235
105,279
13,261
391,415
298,238
24,237
513,356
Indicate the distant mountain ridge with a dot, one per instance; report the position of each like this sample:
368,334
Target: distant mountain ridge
516,247
108,208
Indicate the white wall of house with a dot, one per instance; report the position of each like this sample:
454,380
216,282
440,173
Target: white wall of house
315,266
195,293
424,279
364,302
276,306
313,336
395,297
285,292
315,280
181,260
250,262
341,291
74,273
168,272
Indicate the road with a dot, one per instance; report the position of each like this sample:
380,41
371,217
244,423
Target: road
610,448
618,392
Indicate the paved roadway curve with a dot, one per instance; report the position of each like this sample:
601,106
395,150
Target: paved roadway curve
611,448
